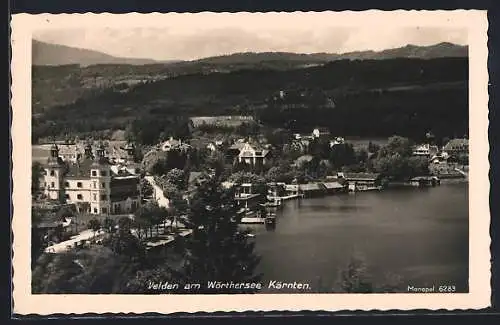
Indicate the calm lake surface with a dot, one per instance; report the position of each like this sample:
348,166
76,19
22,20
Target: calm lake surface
420,235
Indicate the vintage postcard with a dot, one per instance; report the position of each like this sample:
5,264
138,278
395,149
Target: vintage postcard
306,161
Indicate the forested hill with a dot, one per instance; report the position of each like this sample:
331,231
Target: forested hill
372,97
82,73
55,54
440,50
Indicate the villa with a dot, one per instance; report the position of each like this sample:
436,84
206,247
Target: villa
92,183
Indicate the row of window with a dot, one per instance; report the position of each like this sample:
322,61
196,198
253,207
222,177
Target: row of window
80,185
94,173
103,197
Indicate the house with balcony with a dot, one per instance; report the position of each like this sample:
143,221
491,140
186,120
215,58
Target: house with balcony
425,150
253,154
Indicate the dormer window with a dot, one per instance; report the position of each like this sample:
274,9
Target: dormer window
94,173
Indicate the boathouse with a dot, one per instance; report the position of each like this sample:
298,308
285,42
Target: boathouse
334,187
362,181
424,181
312,189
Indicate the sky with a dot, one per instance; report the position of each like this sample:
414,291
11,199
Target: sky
190,40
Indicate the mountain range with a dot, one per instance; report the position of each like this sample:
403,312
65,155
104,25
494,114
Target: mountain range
54,54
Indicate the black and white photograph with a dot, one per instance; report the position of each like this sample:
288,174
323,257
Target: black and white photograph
290,154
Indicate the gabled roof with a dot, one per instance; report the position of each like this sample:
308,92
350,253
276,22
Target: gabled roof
40,153
311,187
80,169
456,143
333,185
322,129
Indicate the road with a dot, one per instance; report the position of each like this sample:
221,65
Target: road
158,193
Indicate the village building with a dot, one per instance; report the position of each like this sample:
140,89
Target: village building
457,147
425,150
321,132
312,189
253,154
212,146
92,183
361,181
336,141
172,144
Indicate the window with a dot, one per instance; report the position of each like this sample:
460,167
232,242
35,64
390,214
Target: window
103,197
95,184
103,185
52,184
52,172
95,197
95,210
104,210
94,173
66,184
103,173
79,184
66,196
79,197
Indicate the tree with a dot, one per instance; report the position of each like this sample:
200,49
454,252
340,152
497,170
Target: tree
342,155
176,177
274,174
418,166
109,225
36,173
278,137
37,242
146,188
373,147
463,159
396,145
97,270
139,284
94,224
124,243
64,213
150,215
177,204
217,250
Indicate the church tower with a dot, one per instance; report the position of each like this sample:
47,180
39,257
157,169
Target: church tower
54,175
88,152
130,150
100,177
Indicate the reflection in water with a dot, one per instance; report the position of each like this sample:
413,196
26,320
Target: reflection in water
420,235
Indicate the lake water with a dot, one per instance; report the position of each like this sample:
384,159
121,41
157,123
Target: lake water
419,235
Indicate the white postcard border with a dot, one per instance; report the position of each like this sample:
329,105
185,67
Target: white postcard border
23,25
